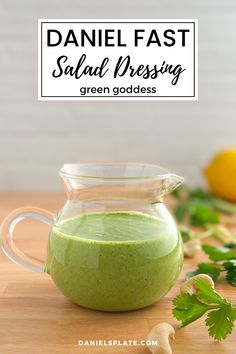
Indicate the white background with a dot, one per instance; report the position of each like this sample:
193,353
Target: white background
37,137
68,86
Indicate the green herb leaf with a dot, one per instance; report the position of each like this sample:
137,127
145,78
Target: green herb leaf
207,294
200,193
231,277
230,267
188,308
230,245
202,215
220,322
231,264
218,253
221,313
185,233
205,268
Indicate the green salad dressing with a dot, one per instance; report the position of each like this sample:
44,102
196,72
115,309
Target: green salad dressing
114,261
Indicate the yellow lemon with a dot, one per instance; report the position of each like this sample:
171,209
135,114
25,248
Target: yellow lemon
221,174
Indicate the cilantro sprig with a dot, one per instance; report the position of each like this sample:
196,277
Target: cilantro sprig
224,262
221,313
199,207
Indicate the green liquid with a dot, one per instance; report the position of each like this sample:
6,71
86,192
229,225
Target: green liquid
114,261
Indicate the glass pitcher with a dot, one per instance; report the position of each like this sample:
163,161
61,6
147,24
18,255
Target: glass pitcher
113,246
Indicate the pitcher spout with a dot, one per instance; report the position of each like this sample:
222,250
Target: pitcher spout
170,183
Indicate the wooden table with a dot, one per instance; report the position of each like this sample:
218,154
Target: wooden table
35,318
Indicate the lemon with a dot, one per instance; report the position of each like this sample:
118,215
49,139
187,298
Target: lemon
221,174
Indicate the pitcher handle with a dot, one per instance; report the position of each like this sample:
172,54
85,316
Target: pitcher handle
7,236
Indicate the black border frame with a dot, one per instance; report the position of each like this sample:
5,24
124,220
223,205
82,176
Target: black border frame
147,97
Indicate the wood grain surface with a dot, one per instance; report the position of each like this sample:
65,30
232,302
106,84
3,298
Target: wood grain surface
35,318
